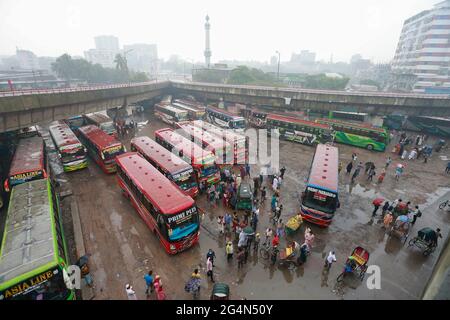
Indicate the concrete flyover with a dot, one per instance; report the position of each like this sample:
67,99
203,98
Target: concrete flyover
319,100
19,109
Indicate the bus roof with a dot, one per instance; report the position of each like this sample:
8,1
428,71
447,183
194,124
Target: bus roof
324,169
99,137
29,156
187,107
203,136
366,126
296,120
166,159
189,148
165,195
221,132
349,112
28,241
172,108
98,117
193,104
62,134
235,117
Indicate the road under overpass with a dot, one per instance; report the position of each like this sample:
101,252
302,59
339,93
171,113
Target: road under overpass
20,109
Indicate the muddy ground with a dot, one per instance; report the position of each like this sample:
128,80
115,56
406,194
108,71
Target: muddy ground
123,249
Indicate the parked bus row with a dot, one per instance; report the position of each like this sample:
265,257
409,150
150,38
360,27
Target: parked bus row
220,148
361,135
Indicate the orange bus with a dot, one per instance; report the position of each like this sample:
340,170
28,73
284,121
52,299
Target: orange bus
29,162
320,199
102,147
165,209
221,149
238,141
201,160
170,165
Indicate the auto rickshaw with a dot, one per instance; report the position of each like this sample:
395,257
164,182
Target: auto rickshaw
221,291
293,224
244,198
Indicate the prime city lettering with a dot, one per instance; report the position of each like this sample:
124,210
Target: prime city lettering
28,284
182,216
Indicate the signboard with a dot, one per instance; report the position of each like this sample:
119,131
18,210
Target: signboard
26,176
179,218
28,285
321,194
113,150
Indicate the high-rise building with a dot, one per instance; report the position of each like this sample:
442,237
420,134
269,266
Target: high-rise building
304,57
27,60
207,44
108,43
142,57
106,48
424,49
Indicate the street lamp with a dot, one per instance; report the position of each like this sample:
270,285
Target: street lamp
278,71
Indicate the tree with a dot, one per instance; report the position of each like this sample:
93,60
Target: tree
121,63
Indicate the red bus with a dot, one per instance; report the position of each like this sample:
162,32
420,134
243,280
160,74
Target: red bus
201,160
320,199
170,165
29,162
102,147
238,141
165,209
221,149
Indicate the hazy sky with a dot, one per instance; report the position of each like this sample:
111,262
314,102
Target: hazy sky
240,29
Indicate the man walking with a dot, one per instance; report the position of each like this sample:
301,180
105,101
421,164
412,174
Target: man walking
282,171
229,250
329,260
388,162
211,255
349,168
149,282
209,269
131,294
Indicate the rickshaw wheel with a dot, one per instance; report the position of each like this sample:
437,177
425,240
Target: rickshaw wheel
264,253
411,242
340,277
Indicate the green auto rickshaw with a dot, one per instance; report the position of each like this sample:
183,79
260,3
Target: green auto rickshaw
221,291
244,199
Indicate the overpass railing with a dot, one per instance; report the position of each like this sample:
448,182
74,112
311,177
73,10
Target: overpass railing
74,89
318,91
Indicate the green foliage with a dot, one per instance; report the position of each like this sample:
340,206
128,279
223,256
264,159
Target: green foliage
321,81
245,75
80,69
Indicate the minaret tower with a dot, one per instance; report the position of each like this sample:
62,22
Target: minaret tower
207,48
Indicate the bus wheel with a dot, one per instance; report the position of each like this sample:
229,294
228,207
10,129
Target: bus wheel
369,147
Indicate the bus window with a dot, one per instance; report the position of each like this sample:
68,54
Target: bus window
320,200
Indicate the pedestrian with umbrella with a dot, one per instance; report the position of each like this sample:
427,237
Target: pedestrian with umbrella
376,204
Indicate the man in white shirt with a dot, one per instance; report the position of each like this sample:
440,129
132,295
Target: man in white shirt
330,259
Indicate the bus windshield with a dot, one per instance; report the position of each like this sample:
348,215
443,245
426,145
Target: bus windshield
68,155
320,200
108,127
111,153
208,169
182,116
182,224
237,124
185,180
48,285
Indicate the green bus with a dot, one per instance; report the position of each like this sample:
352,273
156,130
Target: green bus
297,130
33,255
358,135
